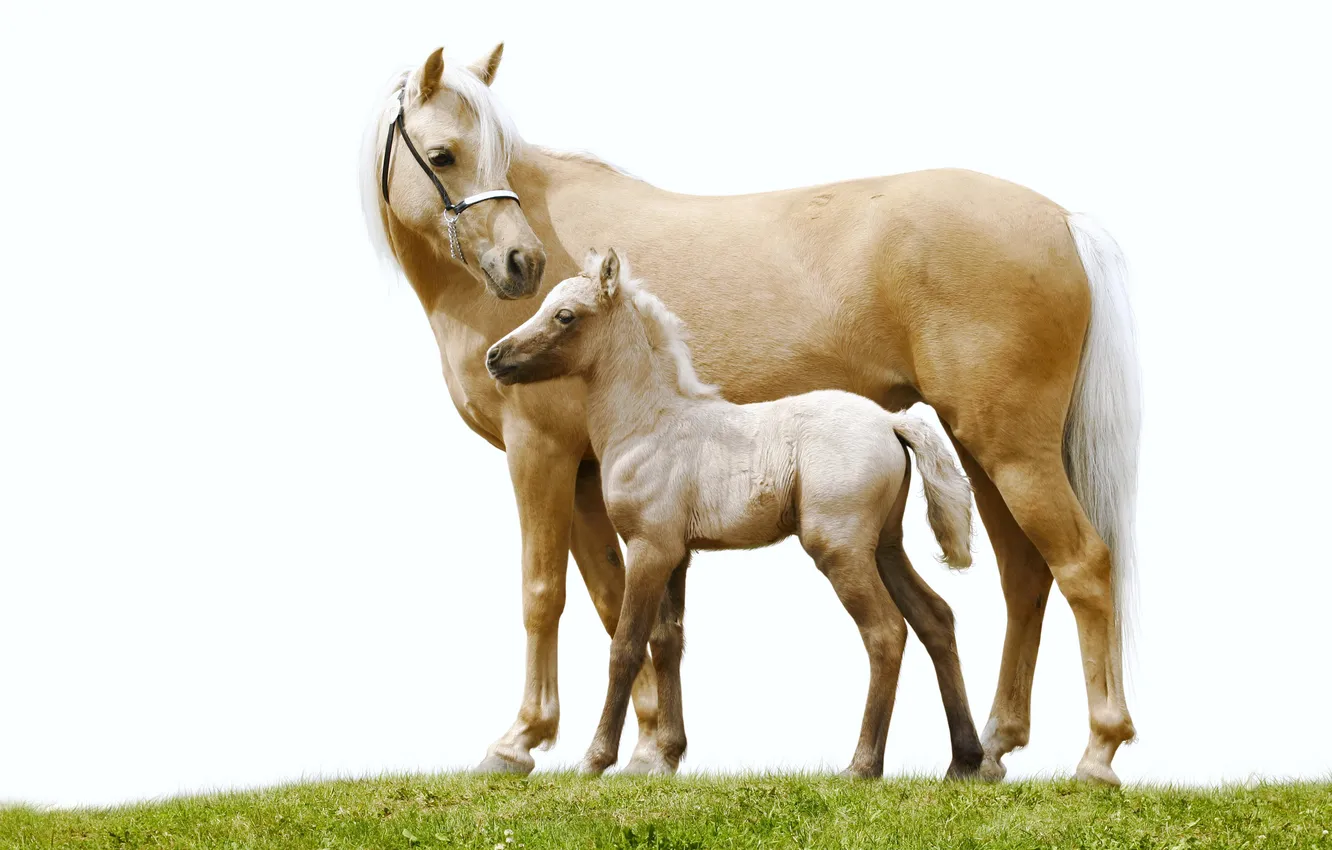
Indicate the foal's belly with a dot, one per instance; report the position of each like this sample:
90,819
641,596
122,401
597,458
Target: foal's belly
740,504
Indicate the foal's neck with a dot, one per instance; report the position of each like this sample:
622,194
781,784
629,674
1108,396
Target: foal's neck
631,388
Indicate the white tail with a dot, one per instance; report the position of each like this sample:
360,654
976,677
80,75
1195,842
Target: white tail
1105,418
947,491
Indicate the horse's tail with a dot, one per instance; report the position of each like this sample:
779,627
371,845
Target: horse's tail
1105,417
947,491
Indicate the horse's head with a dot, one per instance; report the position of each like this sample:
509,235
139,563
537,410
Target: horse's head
567,332
443,173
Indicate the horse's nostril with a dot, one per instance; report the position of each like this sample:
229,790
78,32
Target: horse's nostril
517,265
536,264
493,355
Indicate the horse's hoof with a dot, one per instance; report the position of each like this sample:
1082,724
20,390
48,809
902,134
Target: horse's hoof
496,763
992,770
964,769
1096,774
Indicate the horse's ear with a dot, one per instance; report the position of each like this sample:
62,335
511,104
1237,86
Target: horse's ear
610,271
432,74
486,68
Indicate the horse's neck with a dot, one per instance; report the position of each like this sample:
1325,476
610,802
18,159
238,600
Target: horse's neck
630,390
550,185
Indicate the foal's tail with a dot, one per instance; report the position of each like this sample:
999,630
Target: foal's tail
947,491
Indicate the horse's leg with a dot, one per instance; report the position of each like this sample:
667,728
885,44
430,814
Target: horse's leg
646,576
855,577
543,473
667,645
1026,584
596,550
932,619
1038,492
1025,463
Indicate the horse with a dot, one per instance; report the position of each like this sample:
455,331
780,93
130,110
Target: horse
998,307
682,469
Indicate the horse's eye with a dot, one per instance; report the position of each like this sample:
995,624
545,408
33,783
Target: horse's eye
565,317
441,158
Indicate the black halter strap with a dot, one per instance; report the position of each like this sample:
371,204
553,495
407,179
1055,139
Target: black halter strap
451,210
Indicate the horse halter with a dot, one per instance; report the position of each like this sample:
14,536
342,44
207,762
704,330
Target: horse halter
451,210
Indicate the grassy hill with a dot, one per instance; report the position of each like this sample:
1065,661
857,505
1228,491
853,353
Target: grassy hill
560,810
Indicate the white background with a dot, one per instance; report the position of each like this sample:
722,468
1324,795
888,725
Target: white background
244,537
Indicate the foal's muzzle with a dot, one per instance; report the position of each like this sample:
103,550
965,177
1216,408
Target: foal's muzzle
496,363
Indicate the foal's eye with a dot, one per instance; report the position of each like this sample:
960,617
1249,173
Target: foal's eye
441,158
565,317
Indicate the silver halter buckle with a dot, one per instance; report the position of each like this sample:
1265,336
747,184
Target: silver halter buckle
455,247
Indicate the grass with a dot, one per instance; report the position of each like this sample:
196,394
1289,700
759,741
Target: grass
563,810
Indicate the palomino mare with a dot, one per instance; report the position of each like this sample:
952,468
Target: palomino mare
684,469
998,307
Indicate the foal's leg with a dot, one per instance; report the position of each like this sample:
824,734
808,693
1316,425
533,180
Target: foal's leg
650,567
855,577
543,475
596,550
1026,580
932,620
667,645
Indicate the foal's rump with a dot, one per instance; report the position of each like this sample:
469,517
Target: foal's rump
845,453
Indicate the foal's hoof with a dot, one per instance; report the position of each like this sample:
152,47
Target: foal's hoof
502,764
992,770
595,763
861,773
1096,774
590,768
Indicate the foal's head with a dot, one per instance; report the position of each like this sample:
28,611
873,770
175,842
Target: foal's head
568,331
451,119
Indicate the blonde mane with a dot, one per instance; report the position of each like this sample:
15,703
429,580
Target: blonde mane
666,332
500,141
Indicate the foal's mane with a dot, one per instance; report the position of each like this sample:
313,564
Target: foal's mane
666,332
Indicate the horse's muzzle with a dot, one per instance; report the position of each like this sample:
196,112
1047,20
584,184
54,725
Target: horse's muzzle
515,273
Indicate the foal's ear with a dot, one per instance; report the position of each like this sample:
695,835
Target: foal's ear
610,271
432,75
486,68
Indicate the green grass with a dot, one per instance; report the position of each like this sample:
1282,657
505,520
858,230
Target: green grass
561,810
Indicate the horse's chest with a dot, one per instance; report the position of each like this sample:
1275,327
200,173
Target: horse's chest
472,391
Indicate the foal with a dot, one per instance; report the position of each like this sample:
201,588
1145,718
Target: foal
683,469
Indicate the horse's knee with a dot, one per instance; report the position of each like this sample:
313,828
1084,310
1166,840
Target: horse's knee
1085,580
543,603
